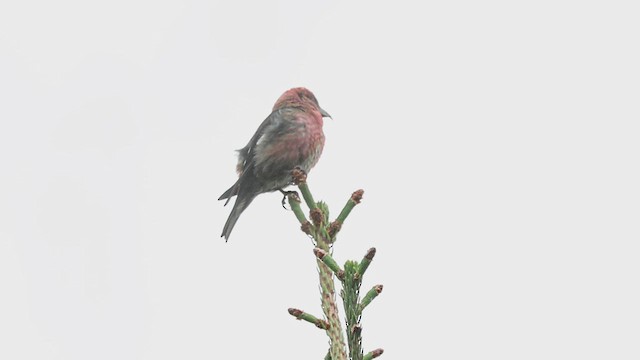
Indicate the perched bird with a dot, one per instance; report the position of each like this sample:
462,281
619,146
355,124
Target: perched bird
288,138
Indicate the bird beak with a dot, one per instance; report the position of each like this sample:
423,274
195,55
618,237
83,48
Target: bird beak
324,113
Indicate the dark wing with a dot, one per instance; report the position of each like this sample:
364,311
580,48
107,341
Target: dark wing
275,125
262,163
245,155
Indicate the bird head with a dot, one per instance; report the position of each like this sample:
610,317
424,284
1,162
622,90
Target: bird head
299,96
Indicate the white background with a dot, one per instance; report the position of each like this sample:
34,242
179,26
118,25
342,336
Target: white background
497,145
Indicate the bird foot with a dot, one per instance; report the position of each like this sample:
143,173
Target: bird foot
285,195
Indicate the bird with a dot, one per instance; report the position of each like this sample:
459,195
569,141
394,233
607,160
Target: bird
290,137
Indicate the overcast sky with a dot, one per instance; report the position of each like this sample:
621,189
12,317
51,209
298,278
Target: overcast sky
497,144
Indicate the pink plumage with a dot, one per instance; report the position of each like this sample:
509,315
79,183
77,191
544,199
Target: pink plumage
291,136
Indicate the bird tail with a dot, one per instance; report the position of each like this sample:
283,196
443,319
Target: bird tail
242,201
232,191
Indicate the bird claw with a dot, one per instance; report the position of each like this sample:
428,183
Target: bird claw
285,195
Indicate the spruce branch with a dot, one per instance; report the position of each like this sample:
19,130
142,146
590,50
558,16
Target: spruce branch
364,264
299,178
330,309
373,354
294,203
329,261
301,315
350,296
371,294
354,200
336,225
337,348
324,234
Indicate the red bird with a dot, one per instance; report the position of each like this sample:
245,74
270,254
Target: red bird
288,138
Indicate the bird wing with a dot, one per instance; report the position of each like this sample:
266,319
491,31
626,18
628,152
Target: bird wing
246,154
278,124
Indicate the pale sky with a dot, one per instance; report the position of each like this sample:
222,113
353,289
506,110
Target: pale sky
497,144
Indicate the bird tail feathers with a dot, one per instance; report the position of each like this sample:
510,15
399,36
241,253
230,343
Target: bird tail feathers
240,205
232,191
